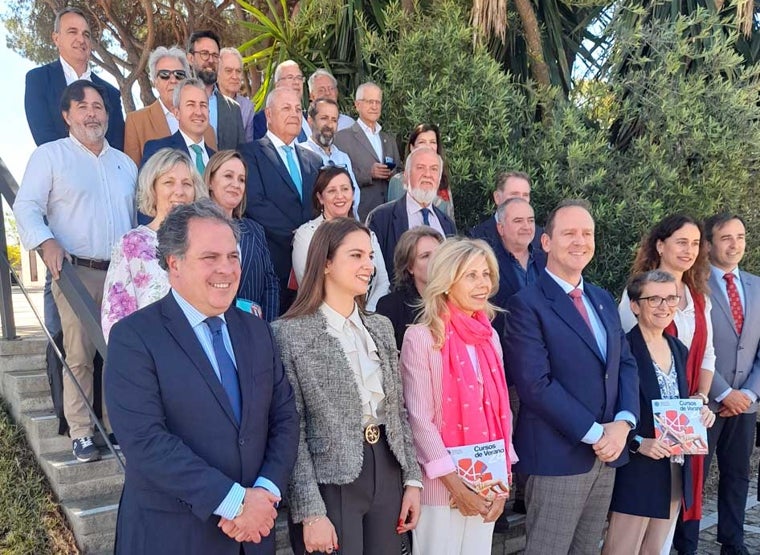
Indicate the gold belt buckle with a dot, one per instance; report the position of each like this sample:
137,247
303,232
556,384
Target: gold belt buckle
372,434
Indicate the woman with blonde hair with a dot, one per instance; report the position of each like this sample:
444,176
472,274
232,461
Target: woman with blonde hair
356,482
134,278
456,397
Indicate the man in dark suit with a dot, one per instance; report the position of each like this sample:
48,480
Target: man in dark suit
191,110
390,220
45,84
735,296
578,388
281,177
373,152
204,412
512,184
224,112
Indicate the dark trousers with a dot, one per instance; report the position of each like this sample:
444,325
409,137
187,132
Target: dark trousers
731,439
365,512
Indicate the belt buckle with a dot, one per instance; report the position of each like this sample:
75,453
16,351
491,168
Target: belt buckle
372,434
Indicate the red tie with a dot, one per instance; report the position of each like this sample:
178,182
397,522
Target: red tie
734,302
576,295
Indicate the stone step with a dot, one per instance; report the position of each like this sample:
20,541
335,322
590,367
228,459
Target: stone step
72,479
22,402
42,432
26,381
97,543
92,515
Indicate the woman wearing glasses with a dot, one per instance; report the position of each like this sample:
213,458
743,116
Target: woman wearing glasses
167,67
677,245
333,197
641,519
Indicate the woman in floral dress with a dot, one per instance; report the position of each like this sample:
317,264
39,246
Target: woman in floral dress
134,278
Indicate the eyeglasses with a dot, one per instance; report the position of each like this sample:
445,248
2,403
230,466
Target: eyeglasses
331,164
204,54
165,74
655,300
296,78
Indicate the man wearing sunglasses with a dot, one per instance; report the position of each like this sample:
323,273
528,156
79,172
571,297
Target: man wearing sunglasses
166,67
45,84
224,113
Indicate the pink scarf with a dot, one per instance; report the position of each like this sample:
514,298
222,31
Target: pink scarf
473,412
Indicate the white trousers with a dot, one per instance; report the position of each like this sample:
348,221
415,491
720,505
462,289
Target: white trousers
444,531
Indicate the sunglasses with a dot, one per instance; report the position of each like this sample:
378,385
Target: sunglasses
164,74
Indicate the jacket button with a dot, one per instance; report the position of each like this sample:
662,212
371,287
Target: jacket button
241,442
606,376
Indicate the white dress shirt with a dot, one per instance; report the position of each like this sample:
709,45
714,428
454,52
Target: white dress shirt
88,199
171,119
278,144
70,74
414,215
374,138
338,158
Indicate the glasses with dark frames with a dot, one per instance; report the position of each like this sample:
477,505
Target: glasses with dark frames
165,74
655,301
204,54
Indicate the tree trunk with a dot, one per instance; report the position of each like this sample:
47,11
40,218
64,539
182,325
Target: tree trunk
539,69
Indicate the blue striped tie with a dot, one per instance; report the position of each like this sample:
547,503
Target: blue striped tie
227,369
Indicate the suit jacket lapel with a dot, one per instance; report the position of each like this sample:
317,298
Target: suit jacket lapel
307,179
648,383
183,334
400,219
362,139
157,120
242,346
270,152
718,298
749,297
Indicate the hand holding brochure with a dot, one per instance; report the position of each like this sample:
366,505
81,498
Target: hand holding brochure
678,423
483,468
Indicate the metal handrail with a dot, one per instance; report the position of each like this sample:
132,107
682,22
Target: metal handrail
73,290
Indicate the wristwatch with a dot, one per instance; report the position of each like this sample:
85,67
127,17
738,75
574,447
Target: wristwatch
635,444
240,509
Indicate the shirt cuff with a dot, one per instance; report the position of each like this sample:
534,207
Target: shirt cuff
413,483
627,416
594,434
268,485
749,393
440,467
229,506
723,395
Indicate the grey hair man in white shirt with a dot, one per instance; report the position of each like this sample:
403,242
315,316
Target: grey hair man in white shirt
85,189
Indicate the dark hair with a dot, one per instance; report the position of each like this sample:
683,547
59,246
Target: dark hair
501,179
406,251
567,203
205,34
424,128
173,233
326,241
718,221
314,106
325,175
75,93
647,257
638,281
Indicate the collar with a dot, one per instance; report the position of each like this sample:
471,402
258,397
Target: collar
279,143
70,73
166,110
513,257
337,321
316,147
566,287
367,129
78,144
194,316
189,141
718,273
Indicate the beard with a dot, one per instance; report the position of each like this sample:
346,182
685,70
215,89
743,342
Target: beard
208,76
89,133
422,196
325,136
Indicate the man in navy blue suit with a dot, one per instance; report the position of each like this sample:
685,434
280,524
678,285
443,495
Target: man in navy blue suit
389,221
45,84
578,388
191,111
281,175
200,402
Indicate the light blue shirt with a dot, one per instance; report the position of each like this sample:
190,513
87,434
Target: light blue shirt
231,503
278,144
594,433
338,158
213,114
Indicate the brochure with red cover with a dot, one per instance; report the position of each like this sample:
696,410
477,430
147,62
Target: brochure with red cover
677,422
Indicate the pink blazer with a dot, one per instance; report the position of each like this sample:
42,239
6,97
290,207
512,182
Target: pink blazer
422,372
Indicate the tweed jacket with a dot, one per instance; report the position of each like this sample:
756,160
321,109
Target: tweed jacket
327,398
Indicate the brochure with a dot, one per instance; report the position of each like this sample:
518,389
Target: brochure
483,468
677,422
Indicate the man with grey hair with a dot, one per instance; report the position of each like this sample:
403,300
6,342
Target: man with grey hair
45,84
166,67
390,220
76,200
322,84
229,79
200,402
281,175
191,109
373,152
287,75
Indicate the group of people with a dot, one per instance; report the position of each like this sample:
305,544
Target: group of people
383,399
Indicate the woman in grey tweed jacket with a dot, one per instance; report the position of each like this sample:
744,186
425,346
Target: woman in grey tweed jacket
356,483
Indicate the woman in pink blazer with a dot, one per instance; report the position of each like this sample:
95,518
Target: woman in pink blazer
456,396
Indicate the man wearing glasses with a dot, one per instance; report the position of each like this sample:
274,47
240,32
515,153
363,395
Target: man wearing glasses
287,75
224,113
166,67
322,84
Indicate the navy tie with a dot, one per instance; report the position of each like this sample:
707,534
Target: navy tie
227,369
426,216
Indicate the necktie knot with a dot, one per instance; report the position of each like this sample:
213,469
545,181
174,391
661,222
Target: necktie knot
214,324
729,277
575,294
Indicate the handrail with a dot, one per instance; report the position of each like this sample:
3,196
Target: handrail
73,290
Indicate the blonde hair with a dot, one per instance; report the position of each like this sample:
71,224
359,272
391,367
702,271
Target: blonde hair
219,159
156,166
447,266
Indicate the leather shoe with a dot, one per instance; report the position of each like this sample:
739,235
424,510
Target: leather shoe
733,550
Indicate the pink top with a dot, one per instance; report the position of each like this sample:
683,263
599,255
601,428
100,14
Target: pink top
421,368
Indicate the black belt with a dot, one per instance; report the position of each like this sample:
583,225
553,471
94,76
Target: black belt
88,263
